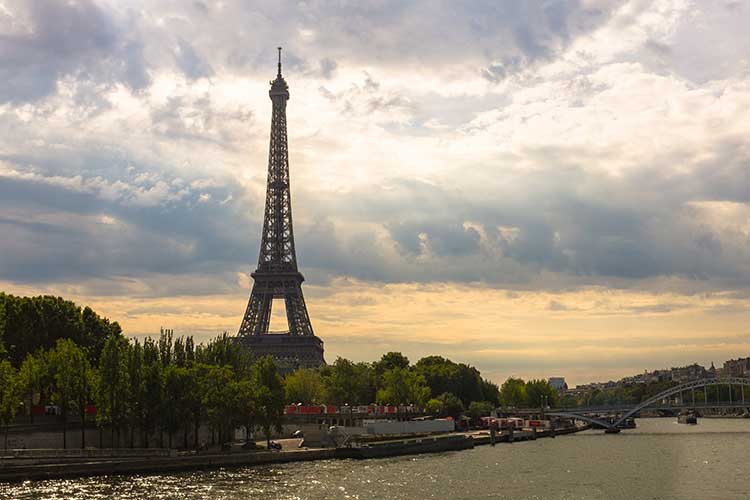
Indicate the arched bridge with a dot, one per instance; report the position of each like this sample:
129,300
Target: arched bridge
585,414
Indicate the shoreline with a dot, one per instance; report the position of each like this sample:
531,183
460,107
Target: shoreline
161,464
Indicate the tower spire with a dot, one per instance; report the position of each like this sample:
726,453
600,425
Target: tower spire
279,73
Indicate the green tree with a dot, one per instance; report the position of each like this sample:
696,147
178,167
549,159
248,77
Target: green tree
113,390
389,361
478,409
9,399
135,397
513,392
176,411
33,323
490,392
539,392
246,405
197,376
72,382
450,405
304,386
443,375
218,399
270,396
152,392
403,386
434,407
224,350
349,383
31,378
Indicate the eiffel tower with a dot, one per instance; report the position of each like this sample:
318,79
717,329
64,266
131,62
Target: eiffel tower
277,276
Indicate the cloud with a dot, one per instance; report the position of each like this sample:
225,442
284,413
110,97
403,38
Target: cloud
545,147
44,41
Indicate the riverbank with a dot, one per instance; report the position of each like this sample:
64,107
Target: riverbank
36,466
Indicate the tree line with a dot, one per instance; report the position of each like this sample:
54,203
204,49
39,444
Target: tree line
439,385
160,390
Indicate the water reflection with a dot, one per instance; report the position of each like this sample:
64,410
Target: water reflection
659,460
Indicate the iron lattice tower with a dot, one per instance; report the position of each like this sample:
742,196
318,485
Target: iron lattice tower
277,276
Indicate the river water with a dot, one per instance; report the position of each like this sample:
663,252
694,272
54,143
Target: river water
659,460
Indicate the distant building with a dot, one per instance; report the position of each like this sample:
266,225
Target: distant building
688,373
737,367
558,383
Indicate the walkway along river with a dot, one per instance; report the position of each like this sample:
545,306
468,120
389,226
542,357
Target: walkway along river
659,460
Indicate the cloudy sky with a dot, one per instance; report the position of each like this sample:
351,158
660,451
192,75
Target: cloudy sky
537,188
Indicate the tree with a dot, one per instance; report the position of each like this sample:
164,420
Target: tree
270,396
197,380
71,382
134,397
246,405
439,373
9,399
389,361
490,392
434,407
349,383
479,409
31,377
224,350
218,399
112,393
443,375
539,392
450,405
304,386
403,386
176,404
29,324
152,395
513,392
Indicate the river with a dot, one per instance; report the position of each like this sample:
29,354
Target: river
659,460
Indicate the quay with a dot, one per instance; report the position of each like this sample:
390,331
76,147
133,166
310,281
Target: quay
38,465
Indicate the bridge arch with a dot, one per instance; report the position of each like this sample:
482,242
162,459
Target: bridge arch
678,389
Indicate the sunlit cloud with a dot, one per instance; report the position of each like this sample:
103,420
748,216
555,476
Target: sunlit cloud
483,181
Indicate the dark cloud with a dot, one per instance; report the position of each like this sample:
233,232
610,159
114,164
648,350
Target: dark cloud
76,40
78,206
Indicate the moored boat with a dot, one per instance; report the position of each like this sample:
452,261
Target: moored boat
687,418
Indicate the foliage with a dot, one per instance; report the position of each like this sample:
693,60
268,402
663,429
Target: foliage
433,407
176,408
71,373
403,386
349,383
9,399
30,324
389,361
539,392
224,351
304,386
112,387
32,378
269,396
479,409
464,381
450,405
513,392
